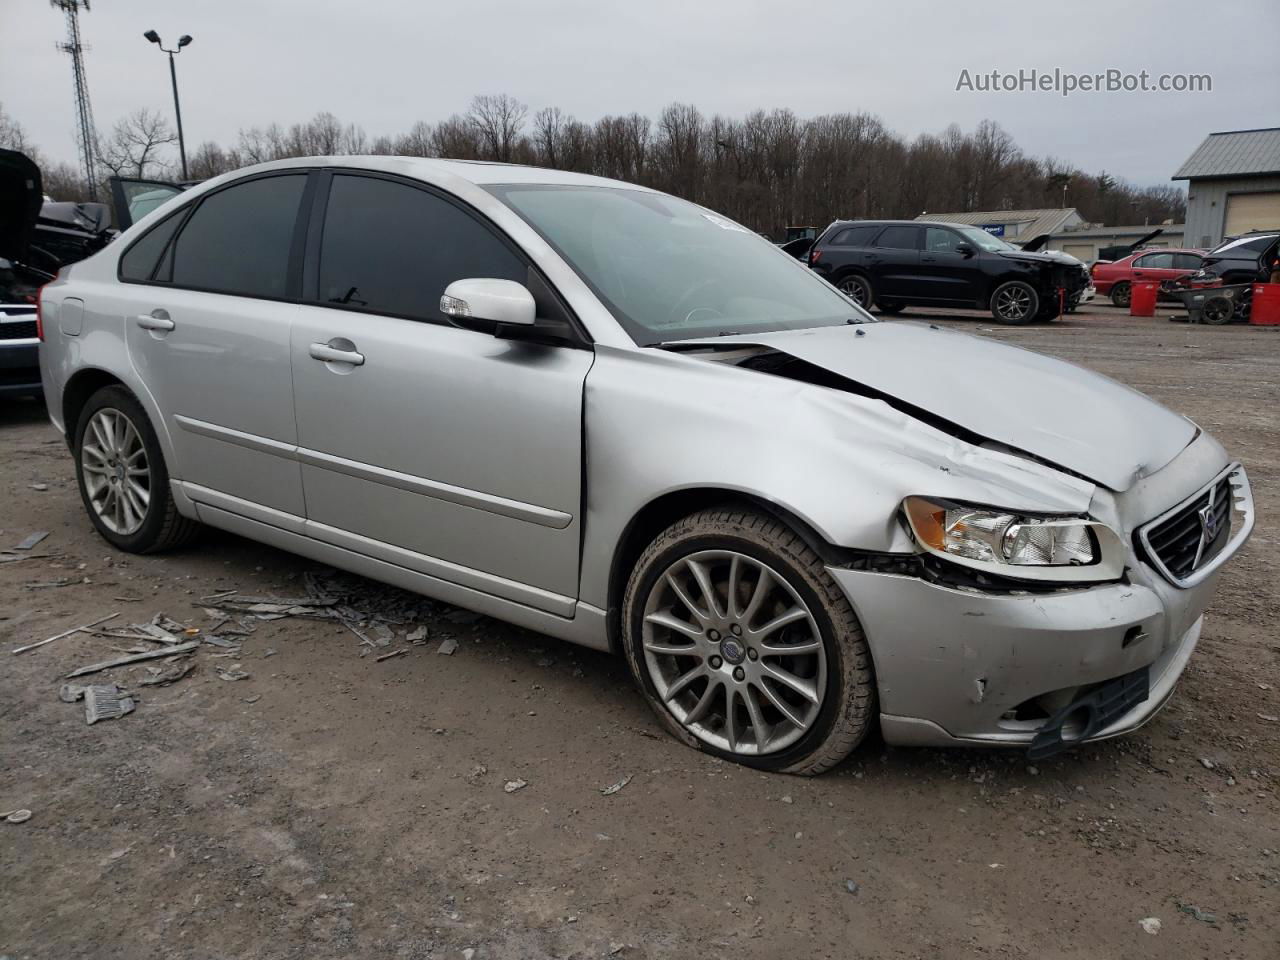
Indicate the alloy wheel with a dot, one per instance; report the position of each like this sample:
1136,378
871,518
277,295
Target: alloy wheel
734,652
1013,303
855,288
117,475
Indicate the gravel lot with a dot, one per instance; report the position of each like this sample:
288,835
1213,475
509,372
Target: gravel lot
334,805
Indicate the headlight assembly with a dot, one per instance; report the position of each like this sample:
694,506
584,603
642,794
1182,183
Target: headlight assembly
1064,549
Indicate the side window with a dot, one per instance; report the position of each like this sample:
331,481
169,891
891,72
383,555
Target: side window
391,248
899,238
238,239
1186,261
854,237
139,261
940,240
1155,261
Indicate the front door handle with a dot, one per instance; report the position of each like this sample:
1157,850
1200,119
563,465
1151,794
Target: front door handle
331,354
155,320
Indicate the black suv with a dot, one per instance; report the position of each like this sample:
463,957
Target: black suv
1245,259
897,263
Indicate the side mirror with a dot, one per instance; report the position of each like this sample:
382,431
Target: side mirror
964,249
487,304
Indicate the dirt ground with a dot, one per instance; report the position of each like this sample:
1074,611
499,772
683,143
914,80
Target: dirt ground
334,805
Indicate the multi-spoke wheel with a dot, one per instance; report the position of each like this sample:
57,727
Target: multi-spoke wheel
117,476
858,289
1015,302
122,476
744,644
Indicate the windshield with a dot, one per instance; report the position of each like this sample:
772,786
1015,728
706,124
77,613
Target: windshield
671,270
983,240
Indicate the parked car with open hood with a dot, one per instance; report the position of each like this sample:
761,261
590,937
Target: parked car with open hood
893,264
616,417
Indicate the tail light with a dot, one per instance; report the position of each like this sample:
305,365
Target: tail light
814,256
40,315
1093,269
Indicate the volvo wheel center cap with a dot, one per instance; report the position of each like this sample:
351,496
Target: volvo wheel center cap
732,650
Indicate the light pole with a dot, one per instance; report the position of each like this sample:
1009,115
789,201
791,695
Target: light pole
173,75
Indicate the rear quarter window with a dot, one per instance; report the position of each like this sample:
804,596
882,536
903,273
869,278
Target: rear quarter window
853,236
139,262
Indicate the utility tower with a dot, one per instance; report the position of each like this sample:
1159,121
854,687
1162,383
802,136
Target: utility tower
85,131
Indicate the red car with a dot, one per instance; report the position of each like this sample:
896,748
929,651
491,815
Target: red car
1115,279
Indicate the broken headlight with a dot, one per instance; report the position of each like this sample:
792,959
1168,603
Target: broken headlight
1029,547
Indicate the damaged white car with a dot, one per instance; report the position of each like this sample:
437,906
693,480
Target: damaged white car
613,416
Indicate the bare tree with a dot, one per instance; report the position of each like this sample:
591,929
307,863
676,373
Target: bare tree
497,118
12,135
135,145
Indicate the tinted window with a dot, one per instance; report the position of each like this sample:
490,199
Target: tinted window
393,248
854,236
1186,261
901,238
940,240
139,261
238,239
1155,261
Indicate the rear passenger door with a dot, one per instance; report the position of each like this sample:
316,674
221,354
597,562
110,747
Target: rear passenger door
894,263
1154,266
204,300
447,451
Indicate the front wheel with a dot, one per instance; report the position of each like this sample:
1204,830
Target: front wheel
1015,302
744,645
122,476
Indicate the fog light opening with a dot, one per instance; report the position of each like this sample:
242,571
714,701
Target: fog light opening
1076,723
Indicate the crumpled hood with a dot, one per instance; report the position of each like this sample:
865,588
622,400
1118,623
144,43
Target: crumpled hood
1046,256
1057,411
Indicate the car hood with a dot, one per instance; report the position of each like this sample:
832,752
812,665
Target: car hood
1044,256
1058,412
20,200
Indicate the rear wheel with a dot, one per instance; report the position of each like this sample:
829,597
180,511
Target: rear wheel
1015,302
122,475
858,289
745,647
1121,294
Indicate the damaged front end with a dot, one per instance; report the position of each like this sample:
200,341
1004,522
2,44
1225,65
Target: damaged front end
1013,601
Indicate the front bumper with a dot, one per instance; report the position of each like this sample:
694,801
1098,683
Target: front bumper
20,366
966,667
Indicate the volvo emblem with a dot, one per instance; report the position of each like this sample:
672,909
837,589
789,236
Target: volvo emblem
732,650
1209,523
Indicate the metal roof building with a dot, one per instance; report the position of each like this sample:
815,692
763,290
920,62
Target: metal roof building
1233,185
1015,226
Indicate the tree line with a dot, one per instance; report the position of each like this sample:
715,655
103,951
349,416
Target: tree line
768,170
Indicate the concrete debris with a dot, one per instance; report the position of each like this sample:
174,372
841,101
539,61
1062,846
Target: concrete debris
447,646
511,786
217,641
17,816
180,649
477,772
787,799
1207,763
1270,718
851,887
417,637
70,692
1202,915
31,539
1150,925
41,487
160,678
613,788
66,633
105,702
232,673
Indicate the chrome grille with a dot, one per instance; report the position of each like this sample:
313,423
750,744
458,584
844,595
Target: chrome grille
1191,540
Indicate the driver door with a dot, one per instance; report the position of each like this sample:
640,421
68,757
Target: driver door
448,451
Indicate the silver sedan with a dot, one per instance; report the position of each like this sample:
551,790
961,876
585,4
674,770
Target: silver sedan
615,417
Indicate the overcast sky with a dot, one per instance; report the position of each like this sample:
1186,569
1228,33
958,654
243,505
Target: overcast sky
387,63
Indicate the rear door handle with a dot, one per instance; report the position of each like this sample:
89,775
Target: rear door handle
322,351
155,320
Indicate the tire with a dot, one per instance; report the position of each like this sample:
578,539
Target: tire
1121,294
858,289
1217,310
1015,302
891,307
804,729
114,438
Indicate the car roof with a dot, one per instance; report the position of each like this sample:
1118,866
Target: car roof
479,172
